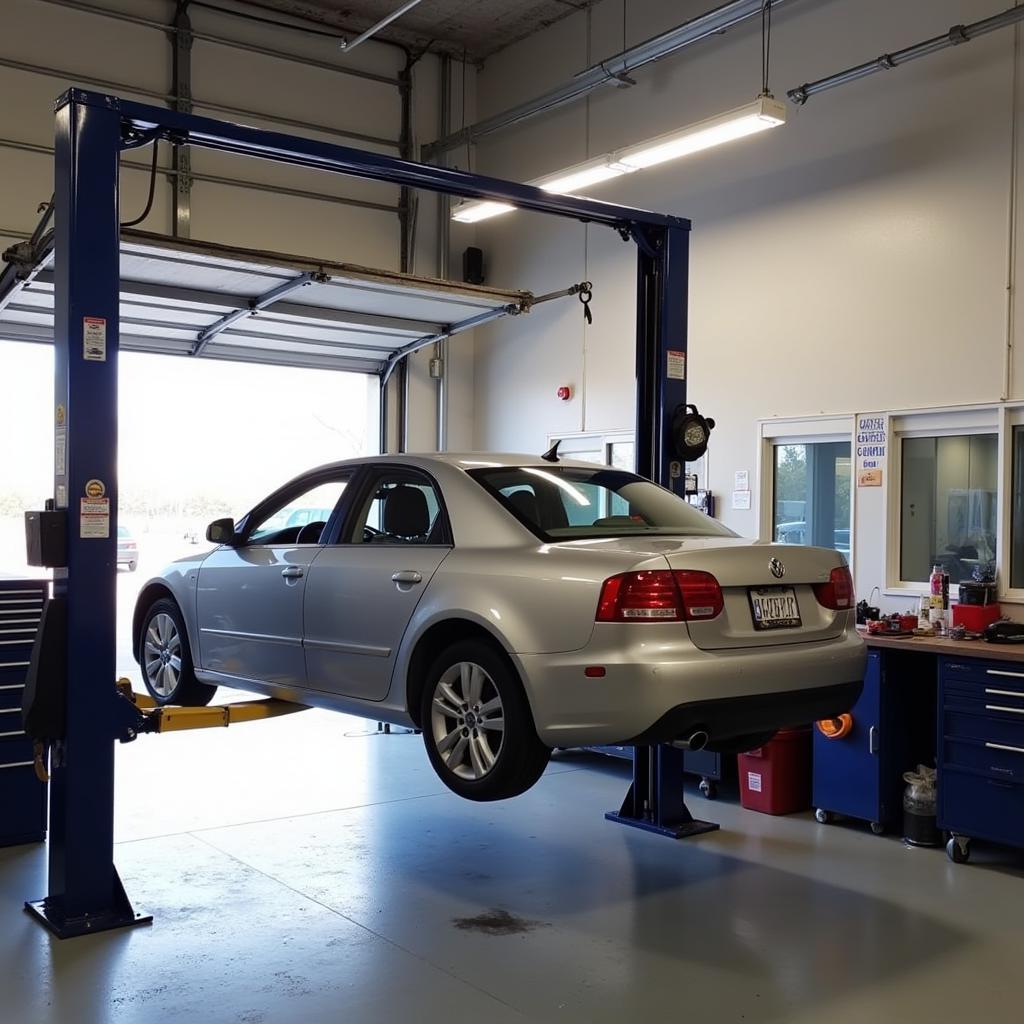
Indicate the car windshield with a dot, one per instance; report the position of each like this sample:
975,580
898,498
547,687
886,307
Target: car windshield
569,503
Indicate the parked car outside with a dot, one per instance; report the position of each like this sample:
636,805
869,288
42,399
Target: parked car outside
506,606
127,549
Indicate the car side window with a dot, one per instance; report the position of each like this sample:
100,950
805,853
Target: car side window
400,508
300,518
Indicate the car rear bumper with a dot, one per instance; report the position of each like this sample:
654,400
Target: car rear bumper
657,686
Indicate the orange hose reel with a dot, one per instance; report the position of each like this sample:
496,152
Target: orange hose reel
835,728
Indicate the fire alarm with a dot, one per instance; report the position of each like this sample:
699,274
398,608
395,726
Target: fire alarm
564,393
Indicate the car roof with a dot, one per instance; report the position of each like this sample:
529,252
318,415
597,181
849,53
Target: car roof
461,460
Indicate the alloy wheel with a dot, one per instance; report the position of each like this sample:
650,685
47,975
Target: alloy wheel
162,654
467,720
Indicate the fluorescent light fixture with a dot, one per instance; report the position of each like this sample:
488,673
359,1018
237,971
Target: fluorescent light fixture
755,117
581,176
765,112
480,209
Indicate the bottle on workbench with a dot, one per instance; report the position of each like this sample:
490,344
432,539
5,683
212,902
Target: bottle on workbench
938,584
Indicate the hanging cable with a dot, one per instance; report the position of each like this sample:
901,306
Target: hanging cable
766,45
152,193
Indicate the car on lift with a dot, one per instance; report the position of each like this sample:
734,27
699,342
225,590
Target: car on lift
506,605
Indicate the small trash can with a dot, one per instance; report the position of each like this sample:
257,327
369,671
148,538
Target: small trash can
776,778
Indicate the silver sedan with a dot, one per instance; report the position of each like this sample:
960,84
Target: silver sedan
505,606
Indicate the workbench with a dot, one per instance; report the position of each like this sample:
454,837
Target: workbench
958,704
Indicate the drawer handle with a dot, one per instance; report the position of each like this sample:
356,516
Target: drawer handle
1005,746
13,686
1002,672
10,711
20,732
18,764
873,740
1005,693
998,707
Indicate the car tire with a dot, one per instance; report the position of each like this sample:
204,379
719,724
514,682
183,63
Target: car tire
166,659
477,725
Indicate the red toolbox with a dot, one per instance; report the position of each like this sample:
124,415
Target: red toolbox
975,617
776,778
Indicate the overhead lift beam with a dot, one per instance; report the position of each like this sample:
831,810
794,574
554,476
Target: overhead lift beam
84,891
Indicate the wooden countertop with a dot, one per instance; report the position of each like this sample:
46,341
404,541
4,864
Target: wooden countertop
941,645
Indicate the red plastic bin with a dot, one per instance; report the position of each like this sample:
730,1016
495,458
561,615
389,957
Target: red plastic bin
776,778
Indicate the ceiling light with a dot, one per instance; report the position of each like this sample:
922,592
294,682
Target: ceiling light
470,213
758,116
582,176
765,112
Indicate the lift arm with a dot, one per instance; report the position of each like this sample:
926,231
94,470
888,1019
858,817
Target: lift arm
155,717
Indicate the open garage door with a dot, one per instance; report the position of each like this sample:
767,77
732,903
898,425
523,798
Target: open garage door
211,301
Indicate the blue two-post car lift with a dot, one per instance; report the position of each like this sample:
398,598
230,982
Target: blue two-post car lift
85,894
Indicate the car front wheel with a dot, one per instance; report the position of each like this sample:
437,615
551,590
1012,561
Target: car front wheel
166,659
477,725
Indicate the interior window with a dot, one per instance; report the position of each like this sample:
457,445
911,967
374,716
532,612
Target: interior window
812,494
948,499
300,519
402,509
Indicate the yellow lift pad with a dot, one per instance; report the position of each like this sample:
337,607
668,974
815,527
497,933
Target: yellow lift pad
171,718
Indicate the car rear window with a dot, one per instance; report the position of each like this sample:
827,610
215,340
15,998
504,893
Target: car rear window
570,503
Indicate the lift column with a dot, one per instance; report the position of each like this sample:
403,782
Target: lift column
655,798
84,892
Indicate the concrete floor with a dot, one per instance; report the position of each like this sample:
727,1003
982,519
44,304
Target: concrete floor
297,873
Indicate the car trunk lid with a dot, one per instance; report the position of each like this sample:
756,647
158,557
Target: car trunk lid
768,594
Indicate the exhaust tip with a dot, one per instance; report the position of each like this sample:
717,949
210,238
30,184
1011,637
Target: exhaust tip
698,739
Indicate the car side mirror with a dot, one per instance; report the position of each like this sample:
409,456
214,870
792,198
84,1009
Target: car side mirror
222,531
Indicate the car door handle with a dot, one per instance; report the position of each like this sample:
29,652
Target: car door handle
293,572
406,576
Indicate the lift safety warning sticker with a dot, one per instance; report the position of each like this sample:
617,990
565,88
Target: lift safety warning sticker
676,366
94,517
94,339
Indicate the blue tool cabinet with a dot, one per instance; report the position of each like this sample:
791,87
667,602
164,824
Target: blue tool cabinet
861,775
22,795
981,752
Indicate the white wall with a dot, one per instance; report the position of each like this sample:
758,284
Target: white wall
853,260
73,44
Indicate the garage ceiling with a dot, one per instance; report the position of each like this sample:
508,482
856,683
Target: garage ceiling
477,28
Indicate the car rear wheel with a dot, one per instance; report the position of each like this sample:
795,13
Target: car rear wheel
166,659
477,725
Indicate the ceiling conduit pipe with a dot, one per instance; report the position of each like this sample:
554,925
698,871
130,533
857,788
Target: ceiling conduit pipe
348,47
613,71
956,35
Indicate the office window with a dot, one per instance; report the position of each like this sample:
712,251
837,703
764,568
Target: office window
948,499
602,449
812,494
1017,512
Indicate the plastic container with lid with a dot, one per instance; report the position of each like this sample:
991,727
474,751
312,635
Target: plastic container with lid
776,778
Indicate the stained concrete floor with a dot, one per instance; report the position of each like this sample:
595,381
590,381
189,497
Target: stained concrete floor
300,871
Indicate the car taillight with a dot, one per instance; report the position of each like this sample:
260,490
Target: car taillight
702,596
837,594
659,595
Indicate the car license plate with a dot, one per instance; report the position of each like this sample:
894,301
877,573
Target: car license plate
774,608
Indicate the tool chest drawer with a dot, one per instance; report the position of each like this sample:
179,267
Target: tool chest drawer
981,807
981,749
22,795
